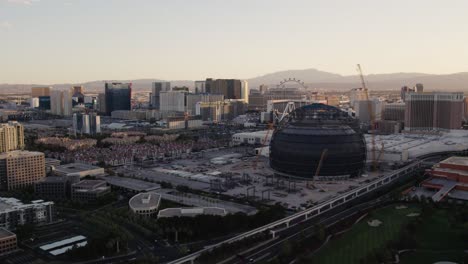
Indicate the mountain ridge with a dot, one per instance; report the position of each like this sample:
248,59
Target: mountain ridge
313,78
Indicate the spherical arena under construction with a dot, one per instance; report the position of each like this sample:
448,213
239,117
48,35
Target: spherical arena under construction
318,141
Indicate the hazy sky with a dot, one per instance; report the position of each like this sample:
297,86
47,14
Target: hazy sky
53,41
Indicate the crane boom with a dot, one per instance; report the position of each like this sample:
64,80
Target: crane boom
319,166
371,117
270,128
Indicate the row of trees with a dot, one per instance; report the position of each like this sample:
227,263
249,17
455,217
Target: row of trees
202,227
109,238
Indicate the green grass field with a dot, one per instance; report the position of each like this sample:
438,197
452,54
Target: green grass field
436,239
362,239
425,257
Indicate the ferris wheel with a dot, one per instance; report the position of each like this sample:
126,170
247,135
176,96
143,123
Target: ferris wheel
291,80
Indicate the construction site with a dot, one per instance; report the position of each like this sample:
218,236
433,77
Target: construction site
311,152
238,173
314,153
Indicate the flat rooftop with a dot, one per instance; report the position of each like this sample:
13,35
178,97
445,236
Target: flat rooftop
145,200
5,233
455,160
51,179
10,203
19,153
132,184
76,167
420,144
458,194
459,172
89,184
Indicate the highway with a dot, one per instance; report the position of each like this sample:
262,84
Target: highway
314,211
304,229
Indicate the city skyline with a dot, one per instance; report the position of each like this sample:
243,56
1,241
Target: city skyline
51,41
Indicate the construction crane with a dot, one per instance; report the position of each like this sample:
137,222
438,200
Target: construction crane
270,128
380,153
319,167
371,117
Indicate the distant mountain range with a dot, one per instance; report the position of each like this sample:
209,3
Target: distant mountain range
313,79
316,79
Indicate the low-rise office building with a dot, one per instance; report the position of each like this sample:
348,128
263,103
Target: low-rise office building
55,187
449,179
13,213
51,164
145,204
79,169
89,190
191,212
8,242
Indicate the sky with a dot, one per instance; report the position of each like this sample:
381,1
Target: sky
72,41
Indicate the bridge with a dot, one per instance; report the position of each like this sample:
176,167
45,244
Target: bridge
313,211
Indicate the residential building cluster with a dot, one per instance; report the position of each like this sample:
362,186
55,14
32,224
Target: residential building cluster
117,155
67,143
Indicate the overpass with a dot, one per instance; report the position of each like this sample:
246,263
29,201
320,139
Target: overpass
313,211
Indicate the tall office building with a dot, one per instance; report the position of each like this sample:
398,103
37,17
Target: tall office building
61,102
434,111
394,112
44,102
403,91
465,105
78,89
19,169
220,110
358,94
361,108
193,99
34,102
172,101
245,91
230,88
40,91
157,88
11,136
86,124
118,96
418,88
101,103
263,88
200,87
78,95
